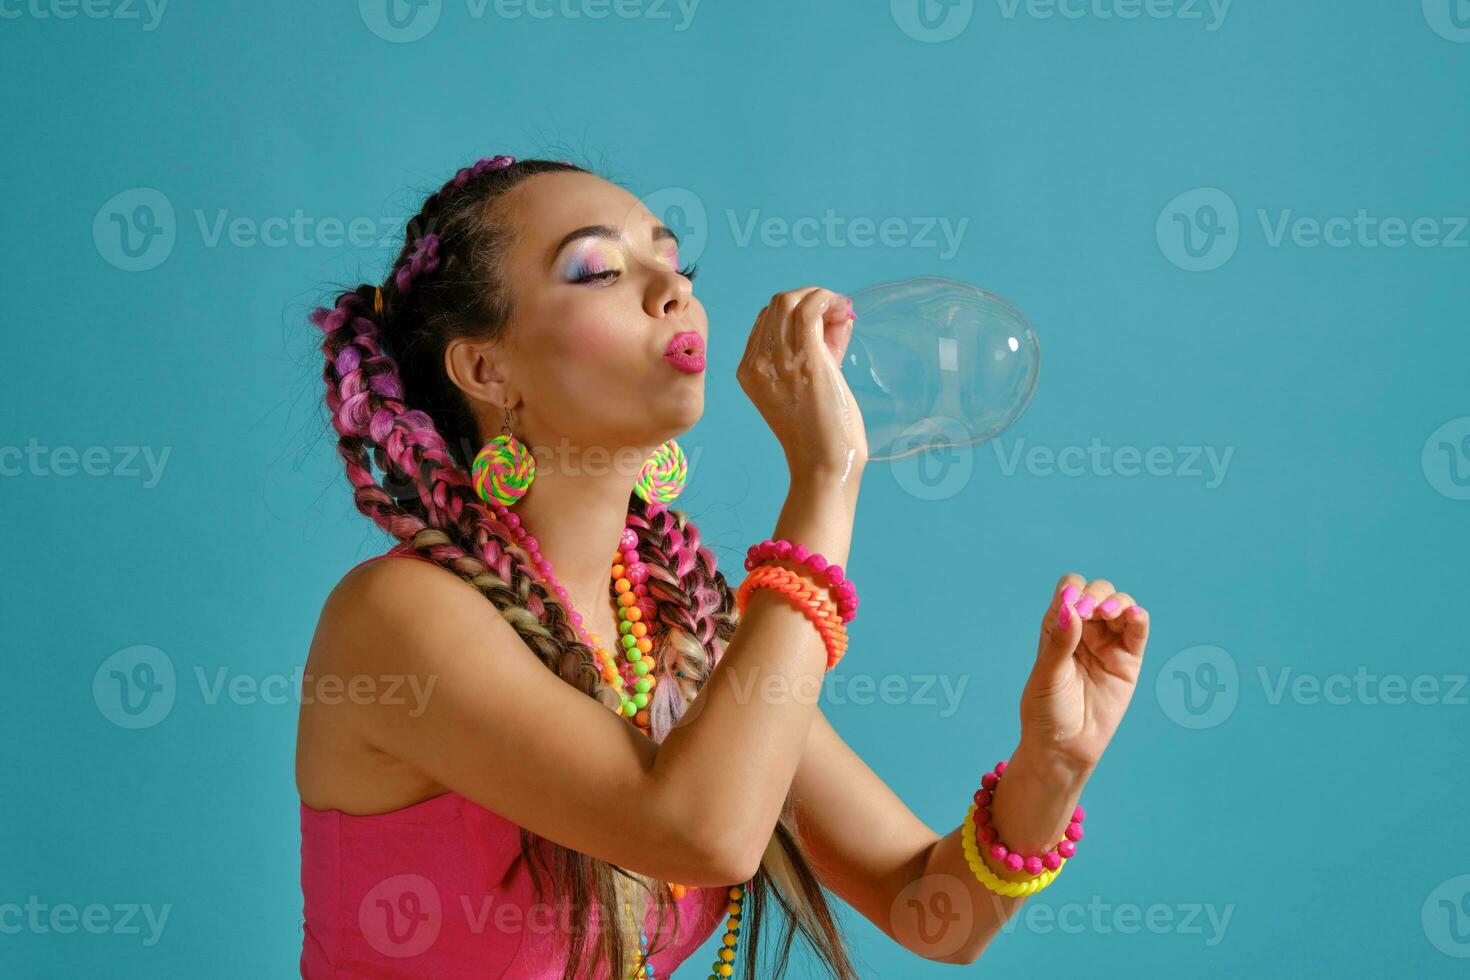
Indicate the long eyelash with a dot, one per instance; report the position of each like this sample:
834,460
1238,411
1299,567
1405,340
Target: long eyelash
688,272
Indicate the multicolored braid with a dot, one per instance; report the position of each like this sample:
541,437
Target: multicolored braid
444,284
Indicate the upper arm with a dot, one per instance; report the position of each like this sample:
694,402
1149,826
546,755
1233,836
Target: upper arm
494,724
867,845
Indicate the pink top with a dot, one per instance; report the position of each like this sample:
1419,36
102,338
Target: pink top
438,889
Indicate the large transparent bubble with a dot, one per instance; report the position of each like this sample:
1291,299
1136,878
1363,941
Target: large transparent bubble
935,362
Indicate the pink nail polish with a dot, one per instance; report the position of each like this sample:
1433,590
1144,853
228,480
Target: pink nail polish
1109,607
1069,595
1135,611
1084,608
1064,616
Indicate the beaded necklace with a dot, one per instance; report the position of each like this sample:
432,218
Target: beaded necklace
629,578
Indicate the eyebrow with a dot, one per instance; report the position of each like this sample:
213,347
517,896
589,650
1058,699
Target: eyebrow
607,231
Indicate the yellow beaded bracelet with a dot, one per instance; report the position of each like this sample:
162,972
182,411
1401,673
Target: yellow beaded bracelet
988,878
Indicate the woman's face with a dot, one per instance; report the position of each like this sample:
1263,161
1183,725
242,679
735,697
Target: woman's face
598,298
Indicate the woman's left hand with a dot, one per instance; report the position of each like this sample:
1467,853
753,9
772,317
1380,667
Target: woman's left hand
1087,666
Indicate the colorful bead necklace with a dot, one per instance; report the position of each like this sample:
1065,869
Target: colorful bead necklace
629,578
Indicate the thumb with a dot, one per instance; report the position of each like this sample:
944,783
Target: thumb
1060,634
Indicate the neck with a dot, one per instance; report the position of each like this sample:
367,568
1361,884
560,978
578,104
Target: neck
577,519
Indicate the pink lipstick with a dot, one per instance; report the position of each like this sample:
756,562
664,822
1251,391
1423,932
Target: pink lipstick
686,352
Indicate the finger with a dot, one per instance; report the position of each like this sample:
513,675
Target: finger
1110,610
838,334
1135,630
1059,642
1096,591
808,319
1068,587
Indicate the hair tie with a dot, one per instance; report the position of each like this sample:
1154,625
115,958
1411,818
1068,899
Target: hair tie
424,260
466,174
378,300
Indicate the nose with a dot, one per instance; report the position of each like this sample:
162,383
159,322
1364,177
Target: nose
669,294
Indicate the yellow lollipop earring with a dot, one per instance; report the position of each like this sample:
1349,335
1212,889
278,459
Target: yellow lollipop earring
663,474
503,469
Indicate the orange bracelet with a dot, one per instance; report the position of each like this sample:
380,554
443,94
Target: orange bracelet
812,599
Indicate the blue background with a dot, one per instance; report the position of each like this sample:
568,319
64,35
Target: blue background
1333,833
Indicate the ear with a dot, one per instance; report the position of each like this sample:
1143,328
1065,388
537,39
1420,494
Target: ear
479,369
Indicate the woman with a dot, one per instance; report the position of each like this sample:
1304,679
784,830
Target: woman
475,809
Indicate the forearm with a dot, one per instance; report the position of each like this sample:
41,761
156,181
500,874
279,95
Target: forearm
1032,805
735,752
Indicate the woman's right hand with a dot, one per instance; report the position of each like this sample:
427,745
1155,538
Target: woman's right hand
792,371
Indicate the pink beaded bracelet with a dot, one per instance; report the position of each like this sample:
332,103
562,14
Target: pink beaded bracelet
1033,864
844,593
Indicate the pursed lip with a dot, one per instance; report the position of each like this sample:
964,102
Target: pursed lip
686,351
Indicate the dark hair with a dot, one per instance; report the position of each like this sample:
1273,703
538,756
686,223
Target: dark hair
394,408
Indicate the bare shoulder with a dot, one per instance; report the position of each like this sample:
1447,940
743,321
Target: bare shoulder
380,633
390,598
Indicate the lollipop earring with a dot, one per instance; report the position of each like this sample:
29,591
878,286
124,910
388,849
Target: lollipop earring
503,470
663,474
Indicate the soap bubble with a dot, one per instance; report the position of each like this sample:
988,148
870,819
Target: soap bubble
936,363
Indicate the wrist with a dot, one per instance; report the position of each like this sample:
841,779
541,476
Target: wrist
1054,769
1033,802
